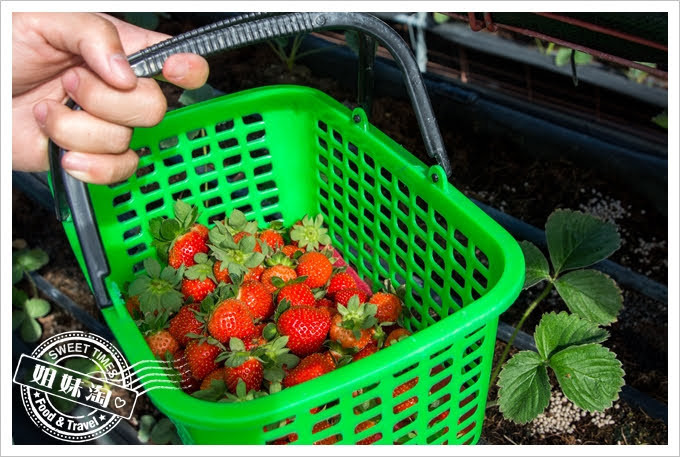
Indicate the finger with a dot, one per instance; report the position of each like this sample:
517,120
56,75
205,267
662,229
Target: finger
81,131
94,38
100,168
142,107
189,71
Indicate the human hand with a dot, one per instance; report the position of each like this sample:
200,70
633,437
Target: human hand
82,56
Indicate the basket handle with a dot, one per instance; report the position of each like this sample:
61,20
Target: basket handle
72,198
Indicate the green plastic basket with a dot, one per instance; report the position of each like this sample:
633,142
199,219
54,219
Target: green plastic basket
279,153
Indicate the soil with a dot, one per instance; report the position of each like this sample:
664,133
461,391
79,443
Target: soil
492,170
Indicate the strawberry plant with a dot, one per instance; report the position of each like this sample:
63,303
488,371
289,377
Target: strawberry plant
26,310
569,343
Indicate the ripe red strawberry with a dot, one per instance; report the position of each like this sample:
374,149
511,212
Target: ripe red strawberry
328,304
258,299
306,328
250,371
284,272
339,282
185,322
320,426
400,390
389,306
187,382
272,238
162,342
132,305
240,235
185,247
231,318
346,336
298,294
222,275
201,230
370,348
438,418
290,250
343,296
216,375
197,290
365,426
310,367
254,274
201,358
396,335
316,267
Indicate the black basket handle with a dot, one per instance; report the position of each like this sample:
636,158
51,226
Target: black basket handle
72,198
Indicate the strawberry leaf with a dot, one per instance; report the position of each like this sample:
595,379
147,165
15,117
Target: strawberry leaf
537,268
591,295
524,387
559,331
170,228
269,332
216,391
36,307
236,345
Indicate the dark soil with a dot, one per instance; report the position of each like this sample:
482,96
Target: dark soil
493,170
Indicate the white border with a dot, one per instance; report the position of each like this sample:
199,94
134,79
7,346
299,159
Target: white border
6,237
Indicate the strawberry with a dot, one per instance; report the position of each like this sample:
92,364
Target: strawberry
179,239
237,254
290,250
342,296
272,237
285,273
254,274
240,235
187,382
389,306
328,304
297,293
352,326
185,322
161,342
310,234
201,356
157,290
306,328
185,247
370,348
365,426
400,390
346,337
196,290
132,305
258,299
215,375
438,418
316,267
310,367
396,335
249,371
221,274
231,318
340,281
320,426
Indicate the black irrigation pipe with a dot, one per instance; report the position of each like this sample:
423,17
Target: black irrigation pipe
624,276
630,395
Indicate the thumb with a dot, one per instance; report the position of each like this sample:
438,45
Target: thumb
92,37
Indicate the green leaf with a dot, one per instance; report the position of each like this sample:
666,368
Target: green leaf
559,331
32,259
169,229
524,387
236,345
589,375
269,332
152,267
562,57
440,18
19,297
163,432
577,240
36,307
216,391
17,273
537,268
591,294
146,423
661,119
581,58
30,331
18,317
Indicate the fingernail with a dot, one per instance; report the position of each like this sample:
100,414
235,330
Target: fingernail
121,68
75,163
70,81
178,70
40,113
